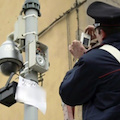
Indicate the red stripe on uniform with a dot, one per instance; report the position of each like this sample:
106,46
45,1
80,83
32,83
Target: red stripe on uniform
109,73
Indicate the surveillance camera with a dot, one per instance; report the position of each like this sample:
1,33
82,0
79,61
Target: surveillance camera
10,58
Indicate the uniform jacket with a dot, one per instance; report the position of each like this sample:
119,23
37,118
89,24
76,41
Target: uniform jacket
94,82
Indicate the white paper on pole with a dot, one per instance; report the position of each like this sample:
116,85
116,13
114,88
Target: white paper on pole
29,92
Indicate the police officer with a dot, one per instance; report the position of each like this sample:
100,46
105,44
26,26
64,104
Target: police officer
94,81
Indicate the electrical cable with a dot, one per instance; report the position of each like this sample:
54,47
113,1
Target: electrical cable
60,18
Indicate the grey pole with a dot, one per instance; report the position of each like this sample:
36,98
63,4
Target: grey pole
31,7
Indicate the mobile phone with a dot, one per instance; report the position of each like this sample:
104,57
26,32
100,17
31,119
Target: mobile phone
85,39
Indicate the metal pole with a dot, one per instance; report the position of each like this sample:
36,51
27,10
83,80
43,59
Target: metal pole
31,7
30,112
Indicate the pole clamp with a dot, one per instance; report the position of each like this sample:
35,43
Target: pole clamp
32,15
28,33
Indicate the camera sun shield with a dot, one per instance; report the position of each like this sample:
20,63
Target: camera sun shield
7,94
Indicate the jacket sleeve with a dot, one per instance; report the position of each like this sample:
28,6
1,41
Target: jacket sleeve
79,84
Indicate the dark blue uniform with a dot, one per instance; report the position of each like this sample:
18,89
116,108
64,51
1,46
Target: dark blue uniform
94,82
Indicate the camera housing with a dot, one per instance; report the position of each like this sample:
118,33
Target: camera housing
38,57
10,58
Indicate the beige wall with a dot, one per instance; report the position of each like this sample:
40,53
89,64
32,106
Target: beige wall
57,38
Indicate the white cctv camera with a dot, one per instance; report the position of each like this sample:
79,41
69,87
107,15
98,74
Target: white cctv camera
10,57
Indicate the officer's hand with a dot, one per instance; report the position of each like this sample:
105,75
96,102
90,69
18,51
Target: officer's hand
90,29
77,49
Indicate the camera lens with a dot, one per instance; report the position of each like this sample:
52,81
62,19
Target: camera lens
8,67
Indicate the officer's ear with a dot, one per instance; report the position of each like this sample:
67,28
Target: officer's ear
102,33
